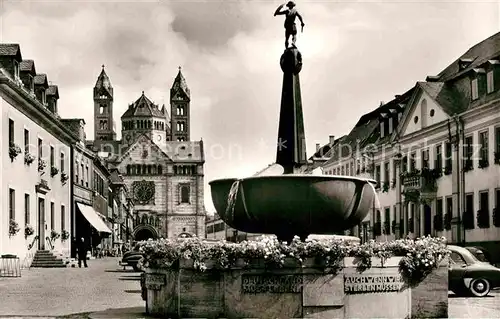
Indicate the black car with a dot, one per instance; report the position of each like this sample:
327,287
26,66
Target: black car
131,258
469,276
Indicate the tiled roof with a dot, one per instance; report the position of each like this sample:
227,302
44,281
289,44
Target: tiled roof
143,107
27,66
9,49
53,90
40,79
180,85
446,95
183,151
478,54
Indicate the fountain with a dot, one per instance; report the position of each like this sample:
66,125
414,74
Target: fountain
194,278
292,204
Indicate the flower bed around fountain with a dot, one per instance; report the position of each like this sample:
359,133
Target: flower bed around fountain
312,279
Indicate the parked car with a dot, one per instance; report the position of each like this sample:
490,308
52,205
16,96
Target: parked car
469,276
131,258
480,253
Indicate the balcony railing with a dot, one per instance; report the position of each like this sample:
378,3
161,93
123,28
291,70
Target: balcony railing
424,182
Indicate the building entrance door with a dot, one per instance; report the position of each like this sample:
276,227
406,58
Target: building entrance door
41,223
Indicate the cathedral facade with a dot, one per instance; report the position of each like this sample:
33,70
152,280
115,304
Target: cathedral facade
161,166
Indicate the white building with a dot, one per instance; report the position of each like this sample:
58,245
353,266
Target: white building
35,164
435,152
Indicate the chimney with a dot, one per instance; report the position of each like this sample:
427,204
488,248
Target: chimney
331,139
317,147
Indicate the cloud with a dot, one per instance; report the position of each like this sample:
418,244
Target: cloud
355,55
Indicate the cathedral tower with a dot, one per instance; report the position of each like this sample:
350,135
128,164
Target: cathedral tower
103,109
144,117
180,98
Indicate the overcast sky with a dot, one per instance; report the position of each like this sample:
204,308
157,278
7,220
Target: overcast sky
356,54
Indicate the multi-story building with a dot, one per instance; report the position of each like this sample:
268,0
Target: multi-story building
35,178
159,163
435,153
217,229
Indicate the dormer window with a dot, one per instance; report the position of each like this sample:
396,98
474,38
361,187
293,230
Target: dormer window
490,86
16,70
31,83
391,123
382,132
474,89
43,98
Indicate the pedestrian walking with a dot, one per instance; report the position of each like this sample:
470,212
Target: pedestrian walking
82,249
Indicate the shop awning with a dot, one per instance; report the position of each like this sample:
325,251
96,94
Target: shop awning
91,215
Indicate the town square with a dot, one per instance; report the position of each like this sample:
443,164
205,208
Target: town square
215,160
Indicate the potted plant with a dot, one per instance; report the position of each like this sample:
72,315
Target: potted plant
41,165
13,228
64,177
28,158
54,235
14,151
53,171
28,231
64,235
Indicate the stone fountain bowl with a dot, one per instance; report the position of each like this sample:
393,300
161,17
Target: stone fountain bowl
289,205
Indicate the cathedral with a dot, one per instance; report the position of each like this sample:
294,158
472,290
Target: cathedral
160,165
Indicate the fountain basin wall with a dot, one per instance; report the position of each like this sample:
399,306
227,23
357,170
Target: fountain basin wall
299,204
294,291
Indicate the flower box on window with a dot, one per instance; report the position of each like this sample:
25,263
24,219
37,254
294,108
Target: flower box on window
468,220
483,163
41,165
29,158
28,230
448,170
447,221
64,177
14,151
483,219
54,171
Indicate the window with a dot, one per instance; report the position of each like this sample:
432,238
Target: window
63,164
52,159
43,96
83,171
87,176
185,194
11,132
31,83
387,220
425,159
16,70
12,204
405,164
26,209
413,162
448,156
52,216
484,210
457,259
387,171
26,141
352,168
40,148
490,87
449,206
438,162
102,109
474,89
377,175
63,218
497,146
468,153
483,152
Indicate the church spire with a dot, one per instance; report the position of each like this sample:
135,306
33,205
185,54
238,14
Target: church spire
103,84
180,86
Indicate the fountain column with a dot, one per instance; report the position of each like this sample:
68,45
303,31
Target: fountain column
291,144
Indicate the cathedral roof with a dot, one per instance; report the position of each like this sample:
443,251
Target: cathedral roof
103,82
180,86
184,151
143,107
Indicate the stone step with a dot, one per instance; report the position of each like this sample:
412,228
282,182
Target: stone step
46,259
48,266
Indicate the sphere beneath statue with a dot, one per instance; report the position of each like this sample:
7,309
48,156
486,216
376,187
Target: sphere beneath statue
291,61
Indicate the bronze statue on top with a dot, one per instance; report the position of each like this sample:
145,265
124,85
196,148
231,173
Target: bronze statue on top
290,28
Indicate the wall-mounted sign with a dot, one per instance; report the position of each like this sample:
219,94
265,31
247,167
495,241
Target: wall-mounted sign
155,281
358,283
267,283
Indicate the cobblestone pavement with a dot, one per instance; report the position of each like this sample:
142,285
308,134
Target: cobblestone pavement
62,291
487,307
